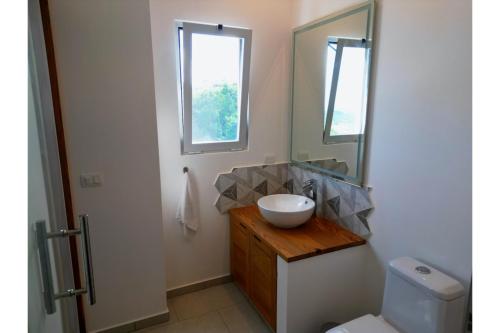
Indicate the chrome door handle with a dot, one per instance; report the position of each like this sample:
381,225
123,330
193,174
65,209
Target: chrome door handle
42,237
87,257
45,266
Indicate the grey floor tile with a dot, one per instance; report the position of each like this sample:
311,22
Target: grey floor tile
190,305
219,309
204,301
207,323
222,296
242,318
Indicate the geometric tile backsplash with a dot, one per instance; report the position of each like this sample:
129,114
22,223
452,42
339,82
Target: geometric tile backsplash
349,205
244,186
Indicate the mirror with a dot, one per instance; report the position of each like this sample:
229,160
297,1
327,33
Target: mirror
331,66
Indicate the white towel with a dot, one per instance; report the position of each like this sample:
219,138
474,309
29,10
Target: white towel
187,210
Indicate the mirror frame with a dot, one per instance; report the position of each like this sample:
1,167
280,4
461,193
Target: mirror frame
360,172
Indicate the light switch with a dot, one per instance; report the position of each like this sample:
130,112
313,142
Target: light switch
90,180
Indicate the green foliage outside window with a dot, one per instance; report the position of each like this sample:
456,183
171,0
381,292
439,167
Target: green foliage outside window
215,113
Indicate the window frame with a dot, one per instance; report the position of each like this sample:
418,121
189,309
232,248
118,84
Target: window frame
341,43
184,78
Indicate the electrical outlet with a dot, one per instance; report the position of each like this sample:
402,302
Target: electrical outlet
269,159
303,156
90,180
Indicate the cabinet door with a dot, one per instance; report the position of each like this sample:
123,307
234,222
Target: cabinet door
240,251
263,279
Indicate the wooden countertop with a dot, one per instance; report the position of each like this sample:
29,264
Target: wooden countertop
316,236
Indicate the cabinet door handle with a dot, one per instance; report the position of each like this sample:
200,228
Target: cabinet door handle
243,226
257,238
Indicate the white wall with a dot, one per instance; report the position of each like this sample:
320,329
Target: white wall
419,150
105,68
420,153
305,11
206,254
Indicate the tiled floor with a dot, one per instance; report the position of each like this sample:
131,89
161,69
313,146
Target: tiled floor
219,309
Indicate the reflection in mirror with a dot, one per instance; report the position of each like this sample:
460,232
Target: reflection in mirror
330,85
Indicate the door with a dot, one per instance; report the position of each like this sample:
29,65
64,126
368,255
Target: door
52,258
38,209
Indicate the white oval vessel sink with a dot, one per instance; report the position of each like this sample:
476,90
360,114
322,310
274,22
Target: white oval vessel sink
286,210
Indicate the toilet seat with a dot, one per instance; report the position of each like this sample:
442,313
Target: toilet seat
365,324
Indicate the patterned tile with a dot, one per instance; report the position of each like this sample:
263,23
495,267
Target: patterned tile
336,200
264,173
363,217
231,192
296,174
328,212
364,213
245,185
348,197
240,176
349,205
243,175
257,179
247,199
223,182
288,185
363,201
363,220
275,188
261,188
334,203
242,191
355,225
224,204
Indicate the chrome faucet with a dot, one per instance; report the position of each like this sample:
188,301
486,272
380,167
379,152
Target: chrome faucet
310,186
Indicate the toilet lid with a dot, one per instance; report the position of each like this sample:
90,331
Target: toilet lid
365,324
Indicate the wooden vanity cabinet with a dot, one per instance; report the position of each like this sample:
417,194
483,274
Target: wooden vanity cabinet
259,251
253,267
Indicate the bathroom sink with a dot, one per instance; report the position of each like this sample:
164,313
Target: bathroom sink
286,210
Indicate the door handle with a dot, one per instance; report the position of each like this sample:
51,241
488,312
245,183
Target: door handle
42,237
87,258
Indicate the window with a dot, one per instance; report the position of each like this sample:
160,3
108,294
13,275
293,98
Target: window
214,63
345,90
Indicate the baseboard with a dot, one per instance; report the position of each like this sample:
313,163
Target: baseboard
138,324
165,316
200,285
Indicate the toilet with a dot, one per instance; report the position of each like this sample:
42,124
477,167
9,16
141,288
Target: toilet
417,299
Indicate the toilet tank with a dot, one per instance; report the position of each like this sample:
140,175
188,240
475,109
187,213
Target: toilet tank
421,299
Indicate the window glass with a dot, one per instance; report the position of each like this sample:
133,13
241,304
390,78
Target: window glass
216,86
348,108
330,61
